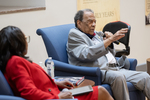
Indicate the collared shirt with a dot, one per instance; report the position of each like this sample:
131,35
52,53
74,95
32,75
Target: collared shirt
90,36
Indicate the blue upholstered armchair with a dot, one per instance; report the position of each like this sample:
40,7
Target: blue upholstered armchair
55,39
6,92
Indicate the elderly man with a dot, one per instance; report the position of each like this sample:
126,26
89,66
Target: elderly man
86,47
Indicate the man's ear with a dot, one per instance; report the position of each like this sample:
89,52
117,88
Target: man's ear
79,23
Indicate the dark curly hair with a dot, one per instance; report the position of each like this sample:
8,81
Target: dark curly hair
12,42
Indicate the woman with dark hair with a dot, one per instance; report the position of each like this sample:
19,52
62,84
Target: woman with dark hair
29,80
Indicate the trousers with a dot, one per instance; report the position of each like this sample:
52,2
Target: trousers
117,80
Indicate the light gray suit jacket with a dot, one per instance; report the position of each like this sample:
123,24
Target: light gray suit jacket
83,52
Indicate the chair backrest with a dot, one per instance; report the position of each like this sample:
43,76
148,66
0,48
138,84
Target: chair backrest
115,26
4,86
55,39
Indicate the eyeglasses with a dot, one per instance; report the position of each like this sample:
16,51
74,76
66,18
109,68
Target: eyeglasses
27,38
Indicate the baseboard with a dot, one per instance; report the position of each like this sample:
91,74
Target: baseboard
142,67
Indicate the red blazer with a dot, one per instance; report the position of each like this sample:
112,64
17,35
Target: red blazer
29,80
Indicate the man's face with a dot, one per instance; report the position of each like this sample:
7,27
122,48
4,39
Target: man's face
87,25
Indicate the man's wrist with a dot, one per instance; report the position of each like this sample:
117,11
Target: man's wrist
111,40
107,42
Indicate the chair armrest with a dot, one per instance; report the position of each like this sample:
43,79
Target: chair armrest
7,97
133,63
65,69
92,71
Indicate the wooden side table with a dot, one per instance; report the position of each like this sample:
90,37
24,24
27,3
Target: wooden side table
148,65
85,83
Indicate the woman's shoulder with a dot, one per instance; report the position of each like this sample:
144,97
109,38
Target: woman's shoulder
19,60
14,60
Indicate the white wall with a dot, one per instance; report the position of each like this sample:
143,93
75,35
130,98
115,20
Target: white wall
133,12
57,12
62,12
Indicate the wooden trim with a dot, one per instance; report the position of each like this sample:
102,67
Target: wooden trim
7,10
148,65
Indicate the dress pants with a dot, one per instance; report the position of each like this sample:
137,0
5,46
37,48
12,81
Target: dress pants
117,80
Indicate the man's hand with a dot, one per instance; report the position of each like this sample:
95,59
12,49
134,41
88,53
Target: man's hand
119,34
107,35
111,38
65,84
65,95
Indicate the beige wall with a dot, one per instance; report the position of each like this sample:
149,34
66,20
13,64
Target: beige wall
62,12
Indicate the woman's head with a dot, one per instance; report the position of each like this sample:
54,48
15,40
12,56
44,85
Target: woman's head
12,42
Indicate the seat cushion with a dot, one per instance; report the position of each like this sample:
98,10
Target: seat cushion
107,87
131,88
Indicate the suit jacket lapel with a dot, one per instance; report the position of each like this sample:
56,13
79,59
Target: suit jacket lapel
98,37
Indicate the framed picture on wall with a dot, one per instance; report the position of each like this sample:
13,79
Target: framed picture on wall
147,12
15,6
